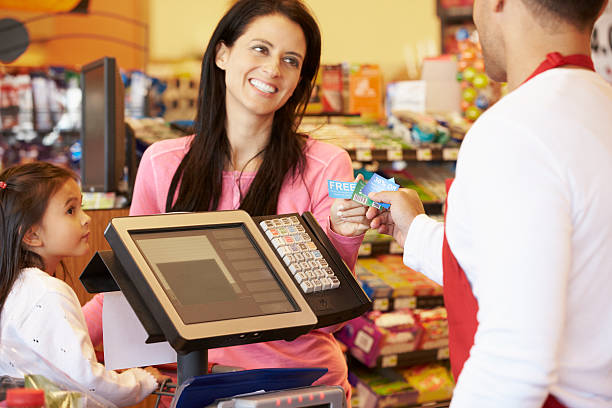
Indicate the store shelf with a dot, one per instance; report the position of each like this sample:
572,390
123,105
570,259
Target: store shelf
425,154
410,302
435,404
411,358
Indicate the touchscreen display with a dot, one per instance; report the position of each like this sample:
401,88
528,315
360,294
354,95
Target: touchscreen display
212,274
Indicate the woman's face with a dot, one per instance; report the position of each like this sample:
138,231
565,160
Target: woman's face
262,68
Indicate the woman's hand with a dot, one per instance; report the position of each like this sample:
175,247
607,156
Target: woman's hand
347,217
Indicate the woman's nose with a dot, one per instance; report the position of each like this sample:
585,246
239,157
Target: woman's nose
271,67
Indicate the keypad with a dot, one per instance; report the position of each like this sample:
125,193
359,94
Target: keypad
300,254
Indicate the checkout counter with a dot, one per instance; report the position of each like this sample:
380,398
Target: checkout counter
217,279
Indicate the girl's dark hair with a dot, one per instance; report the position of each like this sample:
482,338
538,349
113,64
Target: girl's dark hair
200,173
24,195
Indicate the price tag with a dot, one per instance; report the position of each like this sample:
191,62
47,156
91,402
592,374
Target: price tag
389,361
363,341
363,155
381,305
450,153
395,154
408,302
395,248
424,155
365,249
443,353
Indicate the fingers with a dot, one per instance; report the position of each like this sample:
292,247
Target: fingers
383,196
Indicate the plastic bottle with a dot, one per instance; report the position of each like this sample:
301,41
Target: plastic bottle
25,398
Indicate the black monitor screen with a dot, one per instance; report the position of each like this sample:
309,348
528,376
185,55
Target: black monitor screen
103,127
94,127
213,274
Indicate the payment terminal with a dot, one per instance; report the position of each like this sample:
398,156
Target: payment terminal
216,279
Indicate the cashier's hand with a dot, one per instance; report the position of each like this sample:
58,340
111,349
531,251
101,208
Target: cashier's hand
159,377
405,204
347,217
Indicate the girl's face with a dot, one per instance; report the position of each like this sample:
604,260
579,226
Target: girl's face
64,228
263,66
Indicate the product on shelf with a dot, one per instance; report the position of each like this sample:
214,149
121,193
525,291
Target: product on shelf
381,389
433,381
393,387
435,328
367,341
331,88
402,280
365,90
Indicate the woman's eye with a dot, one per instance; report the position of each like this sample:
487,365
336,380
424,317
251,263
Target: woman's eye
260,49
292,61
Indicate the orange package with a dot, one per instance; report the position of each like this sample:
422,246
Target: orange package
365,91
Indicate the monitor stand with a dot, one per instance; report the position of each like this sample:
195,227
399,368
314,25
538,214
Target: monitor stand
192,364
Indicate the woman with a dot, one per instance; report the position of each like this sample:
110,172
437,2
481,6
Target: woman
257,75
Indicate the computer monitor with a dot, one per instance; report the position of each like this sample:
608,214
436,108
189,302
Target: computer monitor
103,127
209,279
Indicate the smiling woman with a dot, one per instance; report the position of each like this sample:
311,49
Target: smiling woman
257,76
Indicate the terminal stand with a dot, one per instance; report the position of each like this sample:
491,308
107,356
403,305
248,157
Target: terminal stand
191,364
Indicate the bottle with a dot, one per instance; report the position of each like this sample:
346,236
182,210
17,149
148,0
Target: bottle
25,398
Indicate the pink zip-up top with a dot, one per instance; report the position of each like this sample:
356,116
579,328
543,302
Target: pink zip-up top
308,193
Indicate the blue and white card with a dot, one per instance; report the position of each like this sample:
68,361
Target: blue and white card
341,189
378,183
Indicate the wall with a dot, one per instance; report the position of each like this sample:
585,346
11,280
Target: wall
75,39
384,31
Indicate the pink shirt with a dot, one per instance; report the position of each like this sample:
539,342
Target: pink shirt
307,193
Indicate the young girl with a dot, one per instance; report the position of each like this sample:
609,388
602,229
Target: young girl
41,221
258,72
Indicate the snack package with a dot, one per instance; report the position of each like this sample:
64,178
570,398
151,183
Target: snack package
331,88
433,382
365,91
55,397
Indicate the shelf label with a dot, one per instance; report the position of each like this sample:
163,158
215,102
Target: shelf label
395,154
409,302
389,361
363,155
395,248
443,353
381,305
364,341
424,155
365,249
450,153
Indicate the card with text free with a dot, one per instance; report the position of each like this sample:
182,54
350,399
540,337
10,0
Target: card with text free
340,189
359,191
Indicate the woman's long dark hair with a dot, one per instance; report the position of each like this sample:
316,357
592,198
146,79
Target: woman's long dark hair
200,173
24,195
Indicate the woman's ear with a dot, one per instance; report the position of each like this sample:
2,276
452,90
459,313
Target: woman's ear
221,55
32,238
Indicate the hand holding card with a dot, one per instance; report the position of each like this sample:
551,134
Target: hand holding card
347,217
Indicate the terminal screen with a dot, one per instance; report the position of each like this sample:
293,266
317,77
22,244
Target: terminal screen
213,273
